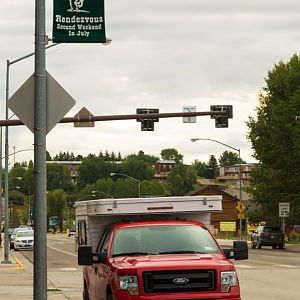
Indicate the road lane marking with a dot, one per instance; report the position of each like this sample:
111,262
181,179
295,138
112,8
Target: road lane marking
287,266
244,266
69,269
62,251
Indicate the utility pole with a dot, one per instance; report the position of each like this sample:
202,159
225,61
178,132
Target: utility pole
40,115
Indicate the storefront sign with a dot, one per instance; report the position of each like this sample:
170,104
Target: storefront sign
78,21
227,226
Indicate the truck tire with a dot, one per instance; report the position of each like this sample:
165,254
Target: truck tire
281,246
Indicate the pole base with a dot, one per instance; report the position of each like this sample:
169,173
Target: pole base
5,262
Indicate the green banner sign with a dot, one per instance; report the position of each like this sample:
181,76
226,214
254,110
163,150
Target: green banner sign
78,21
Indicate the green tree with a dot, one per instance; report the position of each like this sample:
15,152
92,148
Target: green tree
171,154
212,166
181,180
229,158
58,176
93,168
201,168
56,204
275,138
145,157
137,169
153,188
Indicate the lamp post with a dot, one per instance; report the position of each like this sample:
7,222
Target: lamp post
240,171
8,64
95,192
137,180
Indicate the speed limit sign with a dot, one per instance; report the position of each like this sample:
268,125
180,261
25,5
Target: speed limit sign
284,209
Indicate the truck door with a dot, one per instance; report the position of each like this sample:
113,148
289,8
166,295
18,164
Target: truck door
102,271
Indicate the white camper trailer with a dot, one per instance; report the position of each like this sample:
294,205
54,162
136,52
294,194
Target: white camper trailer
92,216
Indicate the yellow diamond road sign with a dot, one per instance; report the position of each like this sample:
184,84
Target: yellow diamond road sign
240,207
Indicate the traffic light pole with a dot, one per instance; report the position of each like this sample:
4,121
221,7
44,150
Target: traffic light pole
17,122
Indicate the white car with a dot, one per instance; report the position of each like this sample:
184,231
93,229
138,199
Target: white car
24,240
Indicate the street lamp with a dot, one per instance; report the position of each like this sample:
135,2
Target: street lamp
8,64
137,180
95,192
240,170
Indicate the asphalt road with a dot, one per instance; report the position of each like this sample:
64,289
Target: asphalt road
267,274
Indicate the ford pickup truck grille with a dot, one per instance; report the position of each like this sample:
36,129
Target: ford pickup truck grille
179,281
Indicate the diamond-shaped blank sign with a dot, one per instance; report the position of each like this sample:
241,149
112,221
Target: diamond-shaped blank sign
59,102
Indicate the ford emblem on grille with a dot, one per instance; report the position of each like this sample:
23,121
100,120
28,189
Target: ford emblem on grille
180,280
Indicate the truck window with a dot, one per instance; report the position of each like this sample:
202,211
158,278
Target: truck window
103,240
163,239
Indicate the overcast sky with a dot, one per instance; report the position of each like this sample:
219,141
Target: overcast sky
164,54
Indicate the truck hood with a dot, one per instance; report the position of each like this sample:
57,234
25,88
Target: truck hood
184,261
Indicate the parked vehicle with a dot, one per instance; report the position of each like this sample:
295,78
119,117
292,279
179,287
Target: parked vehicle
72,231
268,235
154,248
24,239
14,233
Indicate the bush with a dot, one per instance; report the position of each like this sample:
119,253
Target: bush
294,237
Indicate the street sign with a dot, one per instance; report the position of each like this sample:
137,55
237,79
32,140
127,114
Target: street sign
78,21
284,209
240,207
59,102
227,226
189,119
84,113
53,221
241,216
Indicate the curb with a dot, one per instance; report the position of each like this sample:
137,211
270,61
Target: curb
20,265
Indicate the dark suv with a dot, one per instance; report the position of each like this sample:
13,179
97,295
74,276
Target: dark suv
268,235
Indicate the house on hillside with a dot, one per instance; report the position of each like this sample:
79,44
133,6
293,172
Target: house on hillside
230,200
162,168
231,174
73,166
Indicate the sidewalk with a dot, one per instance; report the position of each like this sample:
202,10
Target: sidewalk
16,280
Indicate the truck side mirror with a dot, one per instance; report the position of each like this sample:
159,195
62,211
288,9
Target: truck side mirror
238,252
85,255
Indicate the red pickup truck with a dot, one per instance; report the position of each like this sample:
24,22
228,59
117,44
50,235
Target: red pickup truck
160,260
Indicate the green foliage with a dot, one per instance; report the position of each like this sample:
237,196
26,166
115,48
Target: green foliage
294,237
66,156
201,168
229,158
171,154
92,168
255,216
136,168
275,138
152,188
56,202
181,180
212,166
16,197
145,157
58,177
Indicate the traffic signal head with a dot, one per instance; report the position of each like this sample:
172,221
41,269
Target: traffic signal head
147,124
221,120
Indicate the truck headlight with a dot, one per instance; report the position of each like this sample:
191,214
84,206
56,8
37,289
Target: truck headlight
228,279
130,283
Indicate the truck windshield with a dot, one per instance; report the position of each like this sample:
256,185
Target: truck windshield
163,239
